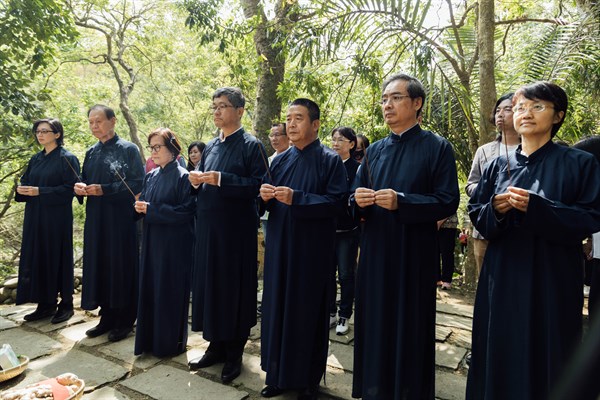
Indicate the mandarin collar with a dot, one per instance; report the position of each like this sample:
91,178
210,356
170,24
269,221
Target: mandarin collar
406,135
170,166
536,155
110,141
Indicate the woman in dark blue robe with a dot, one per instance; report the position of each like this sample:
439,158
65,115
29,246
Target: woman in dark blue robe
535,208
167,245
46,263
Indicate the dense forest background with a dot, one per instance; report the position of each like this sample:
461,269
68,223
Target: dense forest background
158,62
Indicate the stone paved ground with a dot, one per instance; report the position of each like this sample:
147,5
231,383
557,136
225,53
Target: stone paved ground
111,371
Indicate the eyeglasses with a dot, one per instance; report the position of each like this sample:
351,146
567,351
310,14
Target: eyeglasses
156,148
536,108
43,131
395,98
339,140
220,107
507,109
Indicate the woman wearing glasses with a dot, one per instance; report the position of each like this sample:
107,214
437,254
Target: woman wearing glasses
534,208
46,263
168,210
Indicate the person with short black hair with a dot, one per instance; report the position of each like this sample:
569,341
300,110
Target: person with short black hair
535,207
303,198
224,280
46,262
195,150
167,209
406,184
112,170
362,142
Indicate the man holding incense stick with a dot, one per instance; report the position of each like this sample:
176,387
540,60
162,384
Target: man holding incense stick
224,280
112,175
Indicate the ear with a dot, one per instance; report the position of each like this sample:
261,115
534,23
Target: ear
316,124
558,116
240,112
417,103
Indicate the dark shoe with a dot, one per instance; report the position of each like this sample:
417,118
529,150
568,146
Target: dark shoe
310,393
40,312
62,315
231,370
205,361
468,359
118,334
271,391
98,330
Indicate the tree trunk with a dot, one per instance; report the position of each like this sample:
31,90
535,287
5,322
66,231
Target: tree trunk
487,80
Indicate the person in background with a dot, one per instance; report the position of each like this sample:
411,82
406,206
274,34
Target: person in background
279,140
447,232
46,262
167,209
195,150
112,175
506,141
362,143
224,276
409,185
591,144
343,142
535,207
304,198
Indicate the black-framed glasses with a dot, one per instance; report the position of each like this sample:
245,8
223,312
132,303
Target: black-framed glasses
156,148
43,131
339,140
213,109
395,98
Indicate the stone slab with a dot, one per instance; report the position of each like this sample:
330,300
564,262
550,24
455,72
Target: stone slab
5,323
123,350
194,352
339,384
95,371
449,356
442,333
344,339
46,326
76,333
454,321
255,332
16,313
341,356
463,310
461,338
31,344
450,386
106,393
165,382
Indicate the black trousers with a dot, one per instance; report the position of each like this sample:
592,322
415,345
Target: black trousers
446,243
232,350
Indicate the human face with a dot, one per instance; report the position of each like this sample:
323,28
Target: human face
399,110
278,138
102,128
504,116
225,115
159,152
341,145
530,123
45,136
300,130
194,155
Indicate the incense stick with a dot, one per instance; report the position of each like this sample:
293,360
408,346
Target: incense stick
72,169
123,180
507,160
368,170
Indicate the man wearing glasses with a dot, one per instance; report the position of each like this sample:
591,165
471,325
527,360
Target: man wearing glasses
279,140
406,183
224,280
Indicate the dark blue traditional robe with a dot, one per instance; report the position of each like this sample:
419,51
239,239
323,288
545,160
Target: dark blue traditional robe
110,246
298,260
527,316
224,280
46,263
166,262
394,350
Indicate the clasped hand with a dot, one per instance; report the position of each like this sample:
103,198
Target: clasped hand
384,198
81,189
141,207
210,177
514,198
283,194
28,190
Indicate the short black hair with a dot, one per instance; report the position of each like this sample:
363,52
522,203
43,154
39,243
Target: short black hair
276,124
591,144
507,96
314,113
200,145
56,126
547,91
348,133
233,94
414,87
169,139
364,139
108,112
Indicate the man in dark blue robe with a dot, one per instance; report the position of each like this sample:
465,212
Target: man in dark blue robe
224,280
406,183
110,246
307,188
